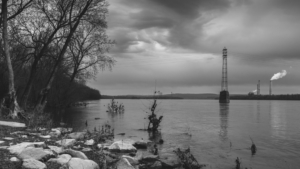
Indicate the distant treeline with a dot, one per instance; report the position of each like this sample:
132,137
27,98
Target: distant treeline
266,97
165,96
206,97
138,97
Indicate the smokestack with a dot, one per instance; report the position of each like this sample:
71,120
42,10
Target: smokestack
270,87
258,88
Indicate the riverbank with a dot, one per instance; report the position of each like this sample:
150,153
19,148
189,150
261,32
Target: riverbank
61,147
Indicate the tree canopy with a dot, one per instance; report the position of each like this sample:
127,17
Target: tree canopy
49,49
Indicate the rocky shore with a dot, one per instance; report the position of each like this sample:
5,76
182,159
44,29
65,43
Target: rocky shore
61,148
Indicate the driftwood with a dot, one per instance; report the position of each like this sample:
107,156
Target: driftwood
153,120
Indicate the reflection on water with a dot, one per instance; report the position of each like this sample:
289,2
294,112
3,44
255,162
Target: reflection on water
258,112
278,120
224,111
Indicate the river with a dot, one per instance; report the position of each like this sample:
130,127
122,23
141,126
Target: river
216,133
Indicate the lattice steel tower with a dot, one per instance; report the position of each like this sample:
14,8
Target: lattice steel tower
224,71
224,94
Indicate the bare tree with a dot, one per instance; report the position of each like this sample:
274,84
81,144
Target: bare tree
79,13
9,103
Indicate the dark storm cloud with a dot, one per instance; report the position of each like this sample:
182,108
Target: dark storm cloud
185,21
176,16
149,18
192,8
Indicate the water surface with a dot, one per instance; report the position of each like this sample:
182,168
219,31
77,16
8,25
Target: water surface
216,133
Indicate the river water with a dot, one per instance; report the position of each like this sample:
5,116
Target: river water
216,133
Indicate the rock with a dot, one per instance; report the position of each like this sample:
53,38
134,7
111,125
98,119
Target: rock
62,159
75,153
18,148
55,133
121,147
8,138
77,163
64,130
131,160
24,136
77,135
156,165
150,158
90,142
77,147
139,155
66,142
18,132
45,137
109,160
86,149
3,147
34,134
105,146
33,164
12,124
127,141
55,149
14,159
2,141
140,144
124,164
36,153
169,160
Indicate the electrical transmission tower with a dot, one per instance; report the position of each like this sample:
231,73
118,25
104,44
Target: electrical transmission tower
224,94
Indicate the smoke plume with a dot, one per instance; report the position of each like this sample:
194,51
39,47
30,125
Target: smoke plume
279,75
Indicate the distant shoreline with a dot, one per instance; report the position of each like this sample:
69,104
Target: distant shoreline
206,96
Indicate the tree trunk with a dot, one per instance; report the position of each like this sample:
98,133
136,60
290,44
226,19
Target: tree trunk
27,89
9,104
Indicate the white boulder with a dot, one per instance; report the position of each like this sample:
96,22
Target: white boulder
45,136
8,138
122,147
56,149
74,153
12,124
90,142
66,142
14,159
33,164
55,133
124,164
62,159
77,135
18,148
36,153
77,163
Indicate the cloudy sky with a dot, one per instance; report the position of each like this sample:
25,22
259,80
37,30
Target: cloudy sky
178,44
